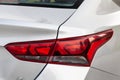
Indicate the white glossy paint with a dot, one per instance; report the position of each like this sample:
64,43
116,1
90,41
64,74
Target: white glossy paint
15,31
28,23
86,21
35,14
95,74
19,24
62,72
12,68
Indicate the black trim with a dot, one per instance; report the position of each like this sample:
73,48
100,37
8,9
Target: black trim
75,6
40,72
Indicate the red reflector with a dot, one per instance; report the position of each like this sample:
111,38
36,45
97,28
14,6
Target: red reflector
67,51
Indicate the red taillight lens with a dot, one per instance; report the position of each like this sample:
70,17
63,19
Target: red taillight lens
38,51
68,51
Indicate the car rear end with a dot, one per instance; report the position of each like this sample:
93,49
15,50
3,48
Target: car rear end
59,40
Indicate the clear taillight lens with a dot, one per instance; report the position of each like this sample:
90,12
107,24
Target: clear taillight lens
68,51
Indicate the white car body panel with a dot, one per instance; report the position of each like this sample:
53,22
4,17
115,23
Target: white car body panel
91,17
19,24
62,72
86,20
35,14
95,74
14,69
15,20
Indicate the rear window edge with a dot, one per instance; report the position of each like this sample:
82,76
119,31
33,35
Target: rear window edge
75,6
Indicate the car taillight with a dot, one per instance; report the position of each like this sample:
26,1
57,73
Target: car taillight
68,51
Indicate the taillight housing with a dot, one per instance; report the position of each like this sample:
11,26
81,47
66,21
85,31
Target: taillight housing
68,51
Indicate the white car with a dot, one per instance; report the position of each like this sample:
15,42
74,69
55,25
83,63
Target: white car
59,39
